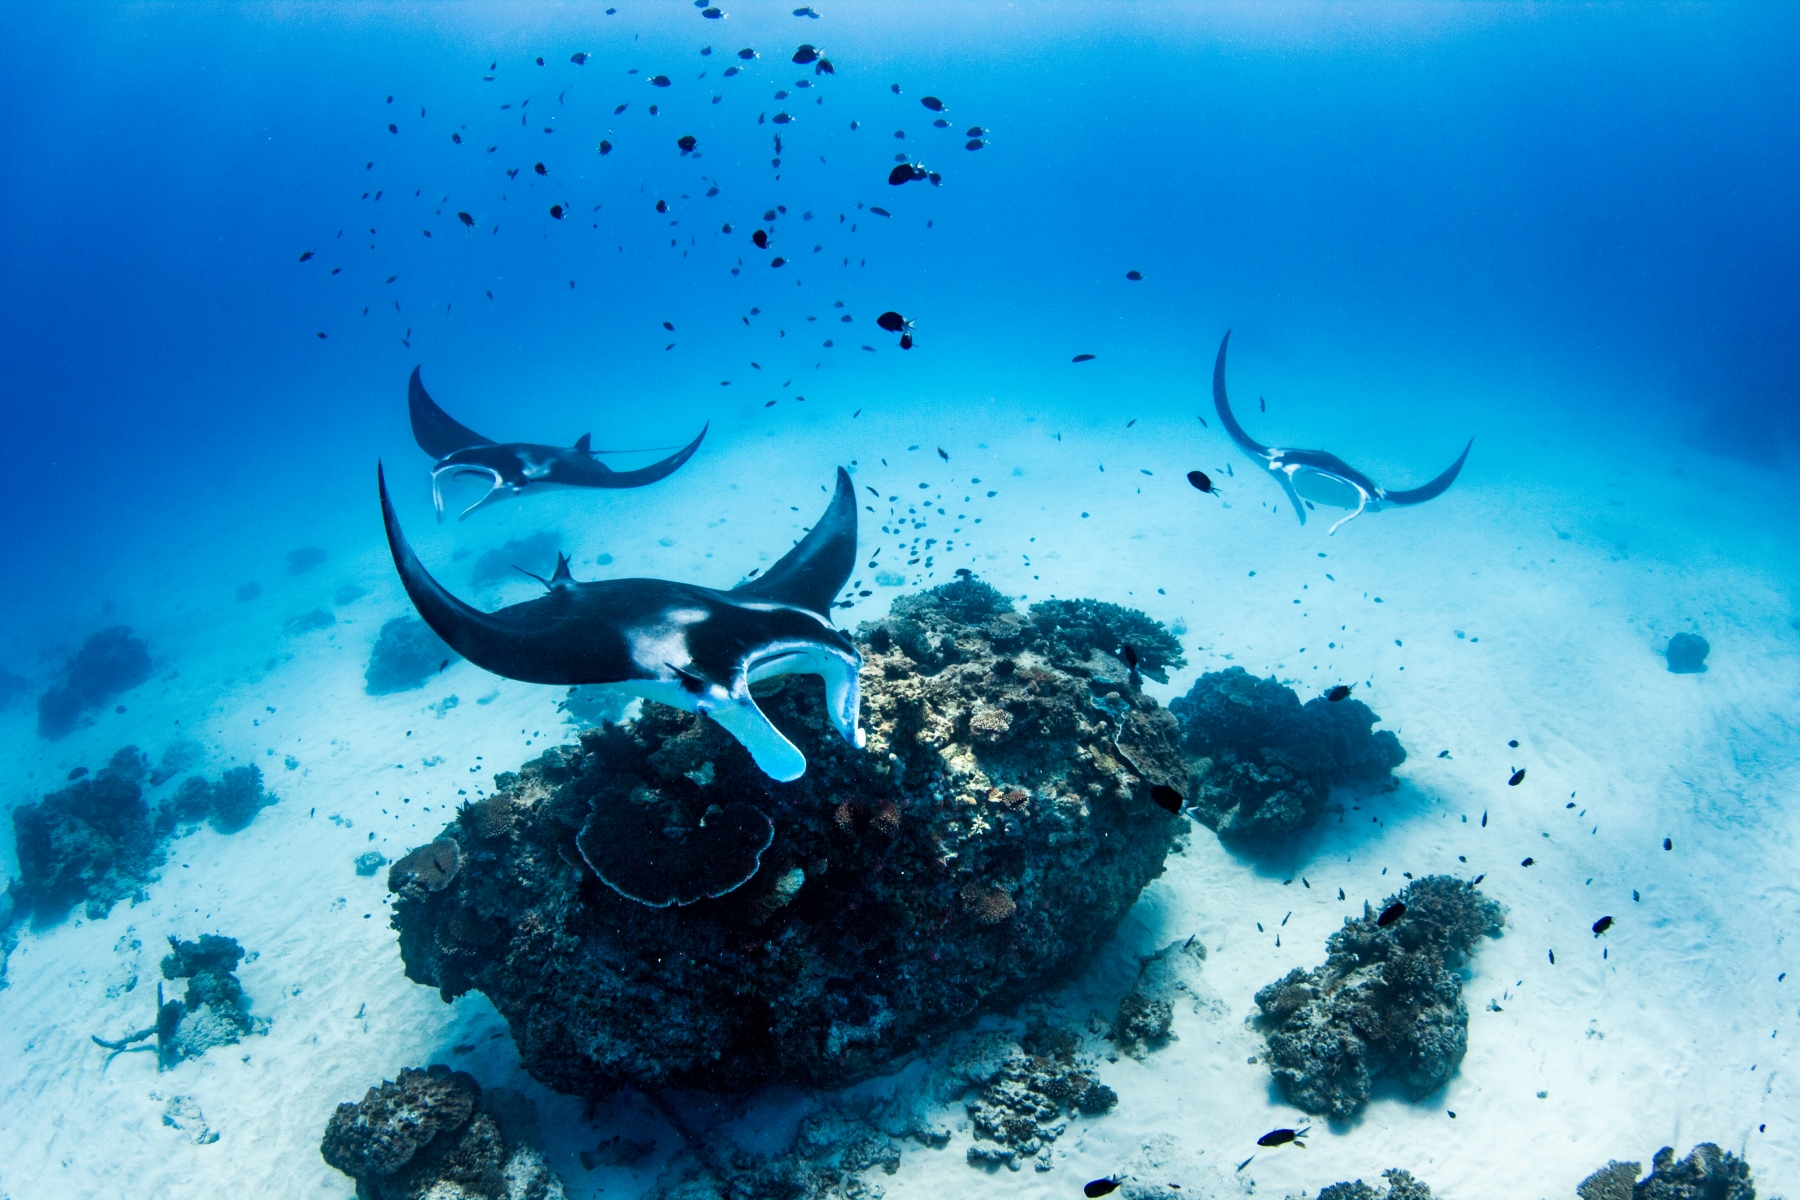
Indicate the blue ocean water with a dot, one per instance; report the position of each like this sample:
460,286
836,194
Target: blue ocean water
1567,231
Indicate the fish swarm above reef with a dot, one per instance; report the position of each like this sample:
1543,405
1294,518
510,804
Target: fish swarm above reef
1387,1001
425,1135
109,662
1265,762
959,863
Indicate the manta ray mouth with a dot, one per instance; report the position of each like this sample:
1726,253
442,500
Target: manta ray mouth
497,489
838,670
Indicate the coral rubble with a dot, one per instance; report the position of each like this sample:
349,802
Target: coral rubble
1025,1105
993,832
1400,1186
1707,1173
90,843
426,1134
1263,763
1687,653
109,662
406,654
214,1010
1387,1001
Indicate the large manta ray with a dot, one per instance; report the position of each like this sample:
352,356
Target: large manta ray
514,466
692,647
1317,475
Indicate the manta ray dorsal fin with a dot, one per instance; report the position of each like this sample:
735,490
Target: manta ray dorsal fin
774,755
584,444
811,574
561,576
437,432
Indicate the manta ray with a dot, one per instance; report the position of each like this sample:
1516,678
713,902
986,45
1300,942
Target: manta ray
1319,476
514,466
691,647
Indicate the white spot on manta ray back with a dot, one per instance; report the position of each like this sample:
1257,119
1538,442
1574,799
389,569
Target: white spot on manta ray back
658,647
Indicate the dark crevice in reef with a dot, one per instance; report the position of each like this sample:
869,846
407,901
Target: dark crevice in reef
992,834
1263,764
1387,1001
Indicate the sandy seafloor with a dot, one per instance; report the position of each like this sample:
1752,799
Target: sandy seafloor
1565,560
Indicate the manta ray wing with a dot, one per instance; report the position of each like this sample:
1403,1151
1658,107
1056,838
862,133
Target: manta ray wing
437,432
1246,443
811,574
661,469
1435,488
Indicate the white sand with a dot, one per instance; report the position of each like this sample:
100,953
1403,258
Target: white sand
1679,1035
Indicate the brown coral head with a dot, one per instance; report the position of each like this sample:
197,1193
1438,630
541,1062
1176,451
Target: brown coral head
491,817
431,867
1014,797
845,816
990,725
988,904
886,820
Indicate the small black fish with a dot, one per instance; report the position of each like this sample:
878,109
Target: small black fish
806,54
1667,844
1484,818
669,326
778,261
1340,692
761,239
1262,404
746,54
1602,925
1082,358
906,342
457,138
686,142
1518,777
621,108
943,454
1100,1187
932,102
1390,914
1134,276
659,81
1129,653
540,168
442,665
1443,754
806,12
974,144
1201,480
1553,958
556,211
579,58
1281,1137
1167,798
712,14
907,172
306,255
893,322
1528,861
781,118
879,211
605,146
1479,878
466,219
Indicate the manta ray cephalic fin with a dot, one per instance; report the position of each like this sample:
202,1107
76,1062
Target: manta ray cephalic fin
773,754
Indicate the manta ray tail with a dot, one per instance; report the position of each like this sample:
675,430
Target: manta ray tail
811,574
660,469
477,636
1435,488
437,432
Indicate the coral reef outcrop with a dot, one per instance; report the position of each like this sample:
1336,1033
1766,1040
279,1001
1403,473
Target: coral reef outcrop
89,844
214,1011
426,1135
1264,764
229,805
1400,1186
109,662
1686,653
406,654
1386,1002
992,833
1026,1104
1707,1173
